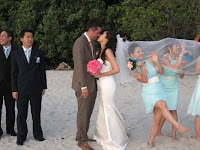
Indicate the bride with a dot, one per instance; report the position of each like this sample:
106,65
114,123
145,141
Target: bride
110,130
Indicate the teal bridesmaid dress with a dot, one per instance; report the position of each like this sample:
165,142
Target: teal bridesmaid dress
152,91
194,106
171,86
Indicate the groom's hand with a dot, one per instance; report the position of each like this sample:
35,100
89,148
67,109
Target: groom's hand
84,93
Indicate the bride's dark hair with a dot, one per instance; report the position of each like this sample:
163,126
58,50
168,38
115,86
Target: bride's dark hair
111,44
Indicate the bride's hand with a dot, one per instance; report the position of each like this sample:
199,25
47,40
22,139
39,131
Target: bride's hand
98,75
154,56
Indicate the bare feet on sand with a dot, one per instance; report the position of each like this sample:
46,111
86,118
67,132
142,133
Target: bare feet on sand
197,138
182,129
160,134
173,138
150,145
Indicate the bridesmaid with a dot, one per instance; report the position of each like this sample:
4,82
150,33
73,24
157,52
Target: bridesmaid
170,80
153,94
194,106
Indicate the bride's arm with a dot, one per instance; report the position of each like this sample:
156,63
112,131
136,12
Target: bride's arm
115,69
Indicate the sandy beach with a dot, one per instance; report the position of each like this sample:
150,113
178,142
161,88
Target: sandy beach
59,108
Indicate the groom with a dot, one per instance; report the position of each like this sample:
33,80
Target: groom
84,83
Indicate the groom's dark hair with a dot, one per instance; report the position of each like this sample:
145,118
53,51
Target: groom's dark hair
94,24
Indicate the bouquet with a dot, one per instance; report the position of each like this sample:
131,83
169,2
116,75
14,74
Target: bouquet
132,63
94,67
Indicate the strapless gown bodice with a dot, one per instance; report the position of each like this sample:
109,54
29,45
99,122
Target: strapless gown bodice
106,66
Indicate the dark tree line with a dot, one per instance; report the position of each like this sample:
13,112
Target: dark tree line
57,23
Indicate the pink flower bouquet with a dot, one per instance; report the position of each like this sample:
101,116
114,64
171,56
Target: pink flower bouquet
94,67
132,64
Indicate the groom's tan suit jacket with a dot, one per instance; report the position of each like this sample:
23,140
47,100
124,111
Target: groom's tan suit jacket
82,55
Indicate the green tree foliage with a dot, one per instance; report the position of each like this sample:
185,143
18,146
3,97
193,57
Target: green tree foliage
154,20
57,23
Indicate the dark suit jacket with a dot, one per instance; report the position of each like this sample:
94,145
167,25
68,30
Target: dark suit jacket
28,78
5,67
82,55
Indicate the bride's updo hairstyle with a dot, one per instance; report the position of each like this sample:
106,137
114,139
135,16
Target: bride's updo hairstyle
132,47
111,44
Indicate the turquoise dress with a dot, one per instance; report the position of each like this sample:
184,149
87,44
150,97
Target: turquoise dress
152,92
194,106
170,83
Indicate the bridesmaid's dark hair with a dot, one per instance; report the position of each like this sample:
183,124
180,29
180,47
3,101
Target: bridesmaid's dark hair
169,43
111,44
132,47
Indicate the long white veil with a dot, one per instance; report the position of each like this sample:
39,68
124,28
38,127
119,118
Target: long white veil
161,47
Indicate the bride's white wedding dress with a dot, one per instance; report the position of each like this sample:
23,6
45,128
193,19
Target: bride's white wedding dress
110,130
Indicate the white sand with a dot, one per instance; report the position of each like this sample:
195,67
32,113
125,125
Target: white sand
59,108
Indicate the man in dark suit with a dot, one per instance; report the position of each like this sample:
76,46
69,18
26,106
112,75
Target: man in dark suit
6,38
83,82
28,80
